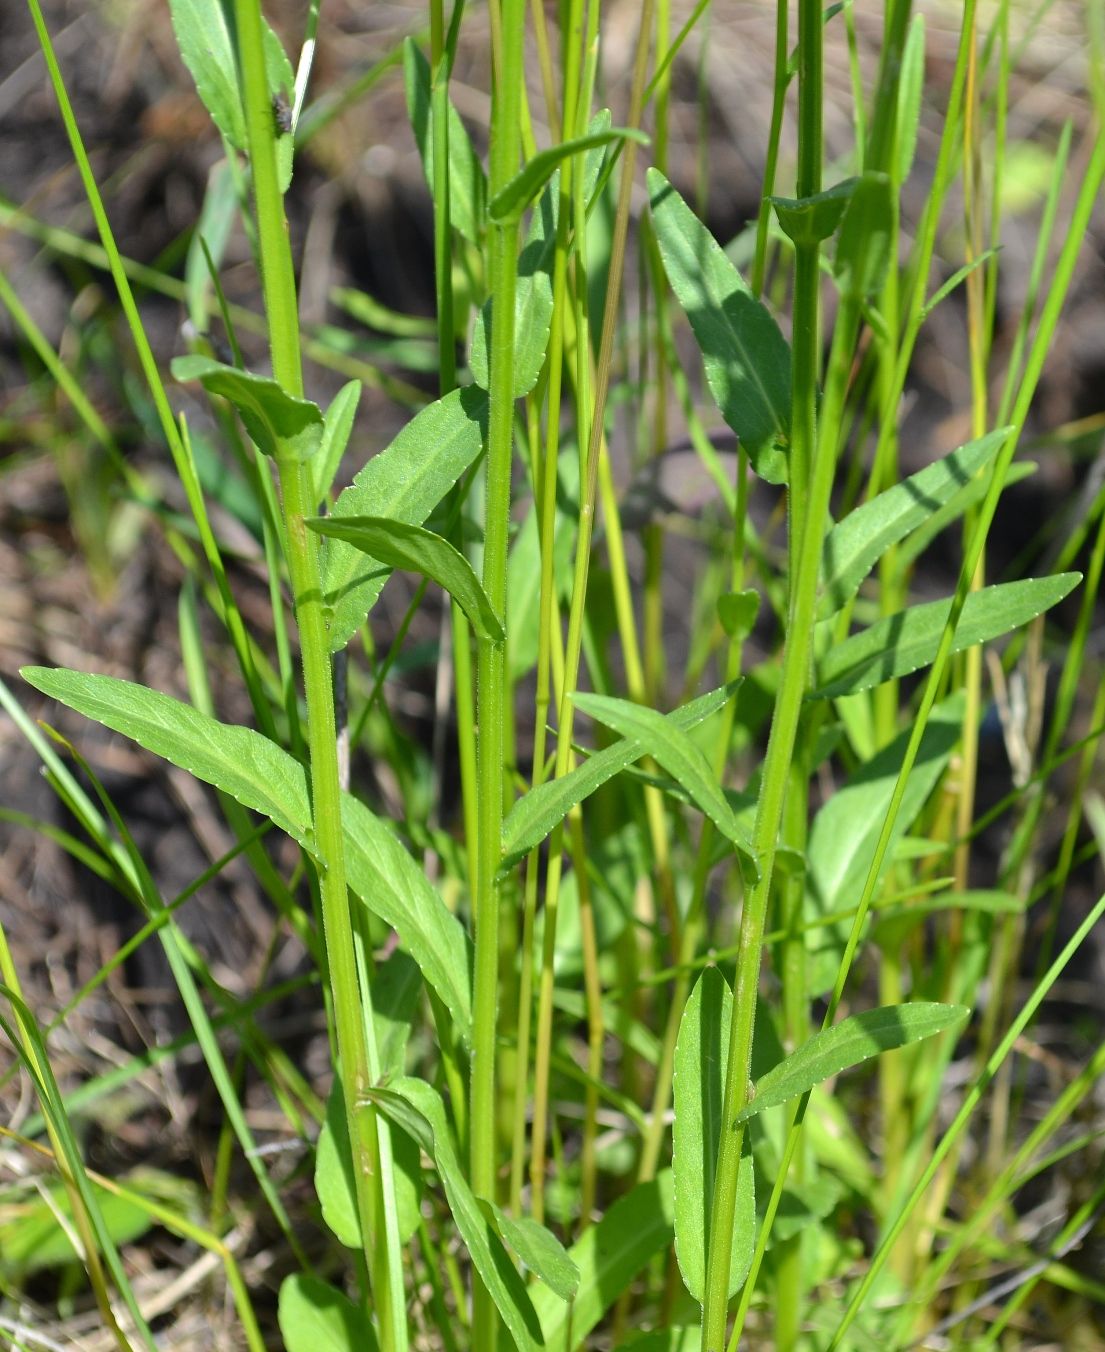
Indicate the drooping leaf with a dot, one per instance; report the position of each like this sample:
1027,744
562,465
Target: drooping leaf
809,220
337,425
903,643
608,1256
392,886
539,1249
281,425
746,357
531,818
316,1317
855,545
846,830
699,1091
416,1107
849,1043
241,762
511,201
863,244
334,1178
467,181
533,298
737,612
674,751
398,544
404,482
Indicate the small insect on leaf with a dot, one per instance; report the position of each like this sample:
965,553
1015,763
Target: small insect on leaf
282,113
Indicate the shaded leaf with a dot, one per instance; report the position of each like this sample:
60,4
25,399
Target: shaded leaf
608,1256
674,752
418,1110
852,1041
907,641
315,1317
746,356
701,1055
737,612
404,482
398,544
280,425
532,817
855,545
863,245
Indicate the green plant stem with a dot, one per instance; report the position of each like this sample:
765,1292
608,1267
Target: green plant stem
358,1066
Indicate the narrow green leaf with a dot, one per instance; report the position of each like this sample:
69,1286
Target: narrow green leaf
203,36
907,641
467,181
854,545
417,1109
538,1248
280,425
674,752
852,1041
315,1317
846,830
609,1256
241,762
863,246
404,482
531,818
392,886
334,1180
910,92
263,776
893,923
746,357
398,544
809,220
737,612
509,204
701,1054
337,426
915,544
281,78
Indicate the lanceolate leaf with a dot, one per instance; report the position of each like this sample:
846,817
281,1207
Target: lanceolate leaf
907,641
280,425
855,545
524,186
699,1091
850,1042
416,1107
910,93
337,425
608,1257
263,776
397,544
203,36
467,182
674,752
405,482
746,357
539,1249
532,818
241,762
316,1317
863,245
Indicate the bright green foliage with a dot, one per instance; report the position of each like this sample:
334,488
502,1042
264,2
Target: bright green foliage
737,612
336,431
316,1317
809,220
519,193
281,425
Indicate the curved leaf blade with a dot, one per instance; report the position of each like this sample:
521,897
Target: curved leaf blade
511,201
849,1043
398,544
746,356
903,643
280,425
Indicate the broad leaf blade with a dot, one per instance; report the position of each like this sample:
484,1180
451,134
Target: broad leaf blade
280,425
905,642
699,1091
405,482
241,762
855,545
417,1109
398,544
852,1041
315,1317
674,752
746,356
531,819
608,1257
